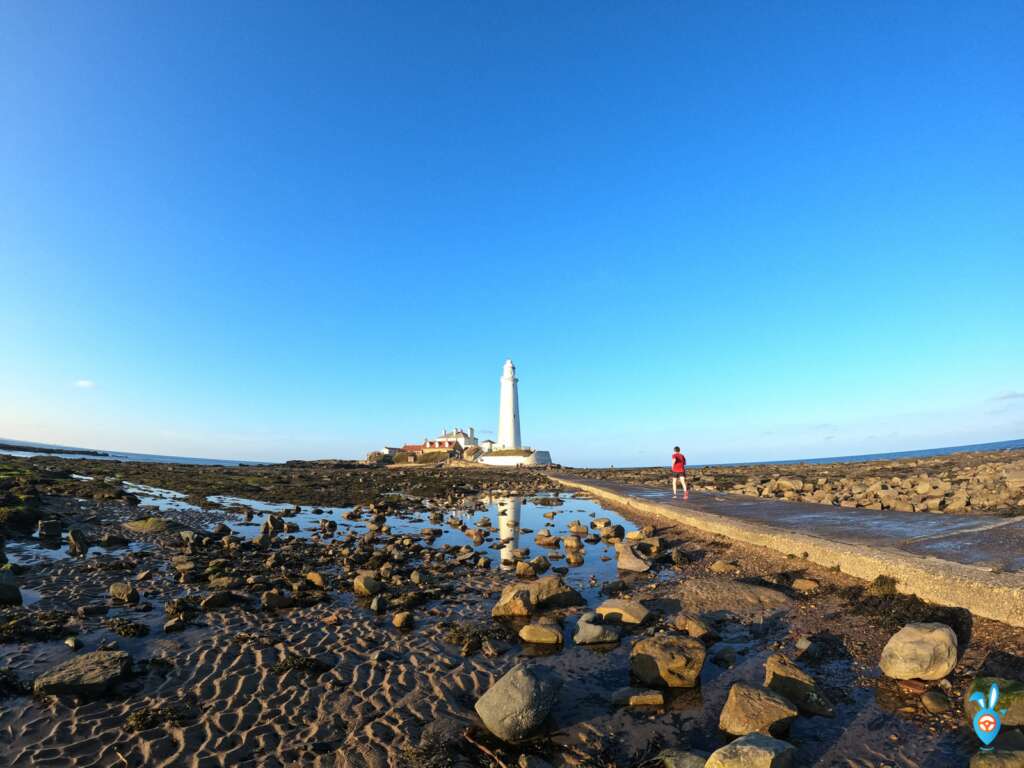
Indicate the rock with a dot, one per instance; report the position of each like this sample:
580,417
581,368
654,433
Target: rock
623,611
591,633
627,559
402,620
999,758
276,601
751,709
936,702
693,626
365,585
925,651
1011,698
723,566
637,697
532,761
787,679
525,570
222,598
513,602
73,643
546,634
753,751
666,661
517,705
804,585
88,674
78,543
719,597
9,592
316,579
174,624
678,758
546,592
124,592
50,529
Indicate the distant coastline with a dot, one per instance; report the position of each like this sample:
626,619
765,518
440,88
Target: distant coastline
25,449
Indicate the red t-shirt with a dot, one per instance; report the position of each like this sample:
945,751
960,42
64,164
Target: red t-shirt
678,462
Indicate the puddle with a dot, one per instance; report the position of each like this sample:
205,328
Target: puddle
30,550
514,521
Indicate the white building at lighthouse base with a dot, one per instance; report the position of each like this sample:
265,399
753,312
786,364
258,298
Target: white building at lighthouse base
525,457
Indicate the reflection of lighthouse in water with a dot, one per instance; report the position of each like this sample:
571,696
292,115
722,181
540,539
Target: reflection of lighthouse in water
509,509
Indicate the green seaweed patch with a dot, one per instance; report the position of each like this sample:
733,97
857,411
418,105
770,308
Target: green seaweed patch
176,715
148,525
299,663
18,624
126,628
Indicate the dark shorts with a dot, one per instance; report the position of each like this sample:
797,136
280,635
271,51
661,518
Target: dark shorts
680,473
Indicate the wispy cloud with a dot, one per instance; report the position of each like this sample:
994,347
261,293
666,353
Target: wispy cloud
85,384
1010,395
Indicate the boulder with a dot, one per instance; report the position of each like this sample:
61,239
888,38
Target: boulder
667,661
89,674
627,559
365,585
545,634
124,592
78,543
788,680
753,751
316,579
517,705
694,626
275,601
623,611
751,709
513,602
589,632
925,651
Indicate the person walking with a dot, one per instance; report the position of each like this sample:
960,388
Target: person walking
679,473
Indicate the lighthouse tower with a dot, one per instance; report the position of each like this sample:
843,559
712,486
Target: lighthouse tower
508,410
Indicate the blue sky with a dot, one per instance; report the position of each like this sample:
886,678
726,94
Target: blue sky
758,230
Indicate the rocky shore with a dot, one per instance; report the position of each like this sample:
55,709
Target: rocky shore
333,615
989,482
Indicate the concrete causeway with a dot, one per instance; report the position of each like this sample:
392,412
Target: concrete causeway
966,561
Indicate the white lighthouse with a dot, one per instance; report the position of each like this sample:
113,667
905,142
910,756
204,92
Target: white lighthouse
508,409
509,450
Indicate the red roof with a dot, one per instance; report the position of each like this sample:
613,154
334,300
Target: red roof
412,448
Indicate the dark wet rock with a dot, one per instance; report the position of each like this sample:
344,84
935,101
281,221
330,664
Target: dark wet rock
9,592
88,674
50,529
78,543
273,600
92,609
753,751
667,661
936,702
123,592
517,705
787,679
222,598
926,651
752,709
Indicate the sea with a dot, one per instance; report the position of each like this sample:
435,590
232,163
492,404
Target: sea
69,452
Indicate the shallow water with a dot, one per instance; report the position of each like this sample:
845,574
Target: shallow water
514,520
